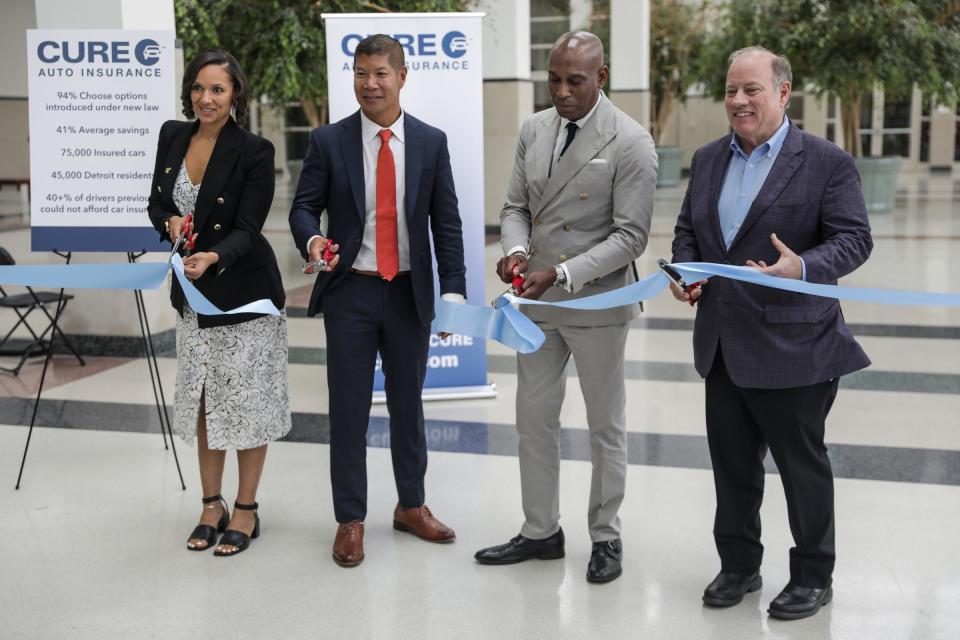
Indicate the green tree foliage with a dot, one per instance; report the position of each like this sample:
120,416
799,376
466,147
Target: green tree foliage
280,43
846,47
676,38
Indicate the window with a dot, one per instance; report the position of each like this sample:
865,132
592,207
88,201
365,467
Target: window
833,118
296,131
549,19
956,140
925,140
896,127
866,123
795,108
925,130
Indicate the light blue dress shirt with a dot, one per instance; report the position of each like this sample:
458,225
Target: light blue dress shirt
745,176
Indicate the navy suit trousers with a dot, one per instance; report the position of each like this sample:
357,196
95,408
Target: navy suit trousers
363,315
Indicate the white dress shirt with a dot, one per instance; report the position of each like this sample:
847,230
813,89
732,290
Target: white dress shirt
370,135
562,134
557,148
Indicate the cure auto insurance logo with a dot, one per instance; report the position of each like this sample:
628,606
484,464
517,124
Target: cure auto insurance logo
146,52
425,51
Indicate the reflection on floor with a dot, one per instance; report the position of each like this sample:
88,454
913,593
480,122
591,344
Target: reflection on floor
92,544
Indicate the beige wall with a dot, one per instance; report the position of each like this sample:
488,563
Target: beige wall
635,104
14,139
694,124
505,106
815,115
16,16
943,131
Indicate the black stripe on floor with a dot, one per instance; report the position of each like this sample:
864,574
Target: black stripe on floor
896,464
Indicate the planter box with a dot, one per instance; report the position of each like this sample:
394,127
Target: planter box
670,159
878,177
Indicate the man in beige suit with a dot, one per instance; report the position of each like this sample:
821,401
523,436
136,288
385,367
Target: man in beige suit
577,214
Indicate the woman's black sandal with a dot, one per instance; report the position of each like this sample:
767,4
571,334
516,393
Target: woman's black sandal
206,532
239,539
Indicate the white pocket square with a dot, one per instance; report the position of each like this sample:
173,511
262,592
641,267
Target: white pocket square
598,161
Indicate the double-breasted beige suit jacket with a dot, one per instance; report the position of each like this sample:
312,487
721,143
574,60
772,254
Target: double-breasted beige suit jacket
592,213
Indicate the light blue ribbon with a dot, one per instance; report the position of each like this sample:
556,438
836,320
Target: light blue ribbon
141,275
498,324
694,271
502,322
204,307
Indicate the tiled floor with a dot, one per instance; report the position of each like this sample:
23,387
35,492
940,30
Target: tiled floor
92,545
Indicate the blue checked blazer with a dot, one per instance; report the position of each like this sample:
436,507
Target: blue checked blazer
812,200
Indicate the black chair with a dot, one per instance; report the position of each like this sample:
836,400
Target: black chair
23,304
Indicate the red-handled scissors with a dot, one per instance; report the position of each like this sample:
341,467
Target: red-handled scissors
191,240
183,240
515,288
322,263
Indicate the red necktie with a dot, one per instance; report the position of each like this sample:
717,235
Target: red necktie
388,258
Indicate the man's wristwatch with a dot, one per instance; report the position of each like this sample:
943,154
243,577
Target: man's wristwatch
561,279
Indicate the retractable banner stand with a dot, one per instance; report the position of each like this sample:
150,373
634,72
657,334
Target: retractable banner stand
444,88
97,100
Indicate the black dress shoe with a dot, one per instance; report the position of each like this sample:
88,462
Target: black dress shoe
728,589
604,564
799,602
520,549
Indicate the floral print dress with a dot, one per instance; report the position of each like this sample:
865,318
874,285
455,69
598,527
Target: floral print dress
240,370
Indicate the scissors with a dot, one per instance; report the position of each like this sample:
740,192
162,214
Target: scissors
677,279
321,264
515,288
176,247
182,240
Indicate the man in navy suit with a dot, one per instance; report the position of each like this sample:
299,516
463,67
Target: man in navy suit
384,180
788,203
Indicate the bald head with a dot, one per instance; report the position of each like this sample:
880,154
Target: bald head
582,45
576,73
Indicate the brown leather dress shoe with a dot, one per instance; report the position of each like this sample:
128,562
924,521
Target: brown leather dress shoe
421,523
348,545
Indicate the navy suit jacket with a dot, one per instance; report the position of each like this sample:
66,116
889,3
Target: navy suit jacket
332,180
812,200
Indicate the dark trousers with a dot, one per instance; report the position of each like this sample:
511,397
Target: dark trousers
741,425
364,315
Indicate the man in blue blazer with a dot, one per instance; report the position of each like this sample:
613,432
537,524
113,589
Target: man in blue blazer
788,203
384,180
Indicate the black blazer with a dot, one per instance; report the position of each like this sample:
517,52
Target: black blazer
232,205
332,180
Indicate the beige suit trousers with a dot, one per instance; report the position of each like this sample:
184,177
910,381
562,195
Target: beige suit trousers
598,353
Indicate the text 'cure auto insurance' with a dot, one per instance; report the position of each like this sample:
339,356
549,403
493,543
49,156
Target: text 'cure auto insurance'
97,100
